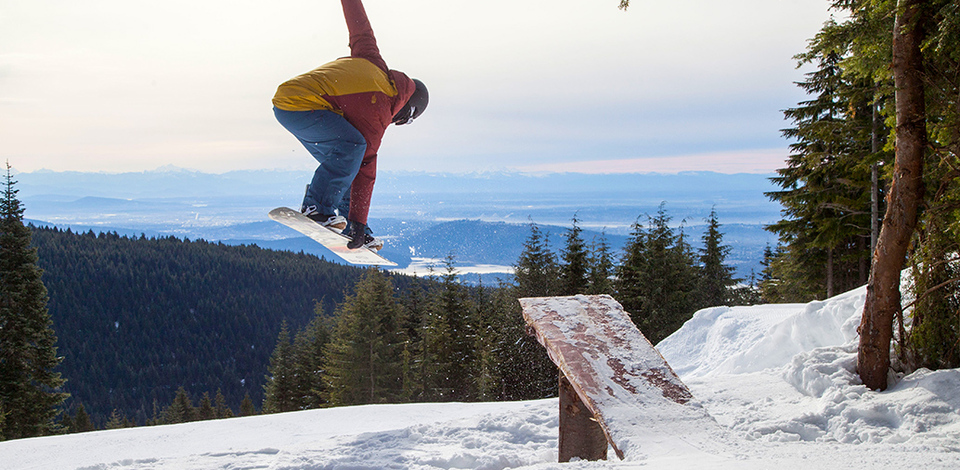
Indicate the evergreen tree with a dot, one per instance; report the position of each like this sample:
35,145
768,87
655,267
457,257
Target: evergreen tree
601,268
246,406
716,279
536,272
657,278
415,310
486,377
181,410
280,391
308,363
221,409
30,390
117,421
205,410
574,269
524,370
449,341
363,356
81,421
826,187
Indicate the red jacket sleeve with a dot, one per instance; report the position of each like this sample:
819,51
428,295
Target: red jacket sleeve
362,42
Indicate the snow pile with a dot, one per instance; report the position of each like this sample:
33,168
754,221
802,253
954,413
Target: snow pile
812,349
737,340
778,379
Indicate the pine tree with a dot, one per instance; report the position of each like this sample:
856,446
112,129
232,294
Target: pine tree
536,272
601,268
449,341
181,410
363,356
81,421
524,370
30,390
657,278
246,406
205,410
308,363
221,409
574,268
716,279
280,391
826,187
117,421
414,311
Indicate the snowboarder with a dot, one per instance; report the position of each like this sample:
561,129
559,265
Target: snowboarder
340,112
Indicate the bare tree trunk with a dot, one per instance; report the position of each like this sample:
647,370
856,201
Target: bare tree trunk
875,180
906,192
829,272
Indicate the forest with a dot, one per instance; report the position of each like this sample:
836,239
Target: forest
154,330
137,318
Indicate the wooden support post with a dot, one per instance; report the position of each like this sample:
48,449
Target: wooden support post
580,434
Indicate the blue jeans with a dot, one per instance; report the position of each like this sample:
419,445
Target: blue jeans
337,145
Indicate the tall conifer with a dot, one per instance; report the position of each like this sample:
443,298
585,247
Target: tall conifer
30,390
716,278
537,271
280,391
364,354
574,268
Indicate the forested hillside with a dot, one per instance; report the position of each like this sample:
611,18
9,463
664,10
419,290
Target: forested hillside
139,317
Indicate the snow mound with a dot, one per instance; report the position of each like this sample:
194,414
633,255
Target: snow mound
737,340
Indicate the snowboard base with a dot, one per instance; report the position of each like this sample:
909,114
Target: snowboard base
333,241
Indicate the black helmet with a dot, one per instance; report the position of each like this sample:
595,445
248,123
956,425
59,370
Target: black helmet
415,105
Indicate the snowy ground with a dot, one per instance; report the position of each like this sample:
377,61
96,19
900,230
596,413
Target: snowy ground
778,379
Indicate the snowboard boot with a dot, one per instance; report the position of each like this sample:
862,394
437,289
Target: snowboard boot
331,221
360,238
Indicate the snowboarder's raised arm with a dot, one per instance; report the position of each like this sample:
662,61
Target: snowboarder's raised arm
362,42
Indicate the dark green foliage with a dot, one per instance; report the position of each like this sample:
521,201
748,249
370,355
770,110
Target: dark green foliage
523,369
840,133
574,267
117,421
656,281
221,410
715,282
246,406
308,361
280,391
934,339
363,357
140,317
30,389
81,421
601,268
537,272
205,410
181,410
826,186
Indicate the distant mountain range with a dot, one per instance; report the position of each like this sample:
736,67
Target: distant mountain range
480,219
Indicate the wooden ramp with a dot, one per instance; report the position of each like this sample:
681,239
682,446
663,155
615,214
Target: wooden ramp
614,387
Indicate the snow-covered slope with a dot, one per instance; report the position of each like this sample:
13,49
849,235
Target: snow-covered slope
779,379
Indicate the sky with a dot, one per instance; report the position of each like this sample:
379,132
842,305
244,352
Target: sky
529,85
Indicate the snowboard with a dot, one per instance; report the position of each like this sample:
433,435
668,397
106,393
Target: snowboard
330,239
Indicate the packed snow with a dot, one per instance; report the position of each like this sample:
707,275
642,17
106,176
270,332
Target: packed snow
778,379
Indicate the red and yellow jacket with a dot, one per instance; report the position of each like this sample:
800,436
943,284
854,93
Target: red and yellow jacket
362,89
